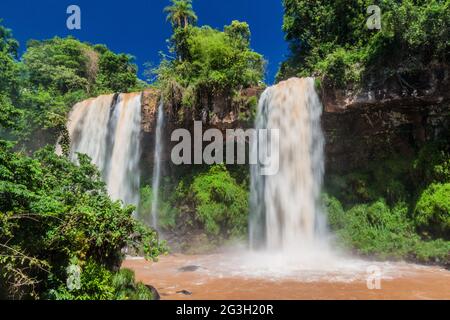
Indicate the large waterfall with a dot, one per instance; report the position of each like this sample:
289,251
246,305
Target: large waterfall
107,129
286,211
157,164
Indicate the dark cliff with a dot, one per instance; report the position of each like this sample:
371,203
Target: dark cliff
396,117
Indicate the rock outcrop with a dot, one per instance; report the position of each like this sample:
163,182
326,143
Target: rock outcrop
220,112
397,117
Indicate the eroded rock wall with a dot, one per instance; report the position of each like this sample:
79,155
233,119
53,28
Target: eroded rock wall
397,117
219,112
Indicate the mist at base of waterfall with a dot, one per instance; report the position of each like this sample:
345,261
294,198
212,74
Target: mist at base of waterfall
310,265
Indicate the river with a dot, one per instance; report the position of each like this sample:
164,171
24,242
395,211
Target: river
227,276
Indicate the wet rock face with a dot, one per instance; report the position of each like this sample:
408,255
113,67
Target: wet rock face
150,102
422,89
355,138
218,111
397,117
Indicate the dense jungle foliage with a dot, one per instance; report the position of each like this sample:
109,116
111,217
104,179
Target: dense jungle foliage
213,200
207,62
37,91
55,215
330,39
395,208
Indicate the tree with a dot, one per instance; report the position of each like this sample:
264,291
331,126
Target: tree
330,39
7,42
220,203
212,62
8,113
9,79
432,211
180,12
117,72
57,73
239,31
59,64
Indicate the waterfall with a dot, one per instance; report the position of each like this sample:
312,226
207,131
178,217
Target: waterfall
108,129
286,212
157,164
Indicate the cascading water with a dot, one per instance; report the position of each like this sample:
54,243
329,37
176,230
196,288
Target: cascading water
286,211
107,129
157,164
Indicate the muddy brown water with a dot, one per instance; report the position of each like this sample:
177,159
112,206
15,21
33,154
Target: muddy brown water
219,277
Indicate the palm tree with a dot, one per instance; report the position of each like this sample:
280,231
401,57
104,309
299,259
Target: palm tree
181,11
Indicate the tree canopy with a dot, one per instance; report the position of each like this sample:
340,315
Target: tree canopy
38,91
181,13
330,39
211,61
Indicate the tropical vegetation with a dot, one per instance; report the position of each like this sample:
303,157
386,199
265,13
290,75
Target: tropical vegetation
56,216
331,40
207,63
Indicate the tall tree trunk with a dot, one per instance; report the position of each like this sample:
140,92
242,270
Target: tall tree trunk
185,22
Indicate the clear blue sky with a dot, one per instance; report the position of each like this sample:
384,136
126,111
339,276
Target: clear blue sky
139,27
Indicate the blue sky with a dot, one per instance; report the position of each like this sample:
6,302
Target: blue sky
139,27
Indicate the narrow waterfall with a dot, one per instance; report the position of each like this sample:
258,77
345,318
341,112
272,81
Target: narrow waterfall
107,129
157,164
286,210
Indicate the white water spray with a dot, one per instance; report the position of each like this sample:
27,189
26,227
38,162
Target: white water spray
107,129
286,211
157,164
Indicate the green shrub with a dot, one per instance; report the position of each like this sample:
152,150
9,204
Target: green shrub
433,251
53,211
221,204
433,163
432,211
99,283
383,232
95,284
126,287
377,230
335,212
